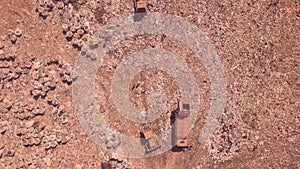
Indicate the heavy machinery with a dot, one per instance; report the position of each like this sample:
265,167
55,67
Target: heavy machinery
106,165
150,142
140,6
182,125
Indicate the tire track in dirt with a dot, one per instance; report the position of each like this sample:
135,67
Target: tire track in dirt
174,159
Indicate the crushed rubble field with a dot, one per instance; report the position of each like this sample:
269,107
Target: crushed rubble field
258,43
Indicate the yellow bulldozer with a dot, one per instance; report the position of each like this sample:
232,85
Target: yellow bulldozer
150,142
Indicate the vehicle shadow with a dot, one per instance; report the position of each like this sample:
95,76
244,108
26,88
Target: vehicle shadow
138,16
173,136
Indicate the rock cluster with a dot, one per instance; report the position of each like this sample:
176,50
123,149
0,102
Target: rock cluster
6,152
3,126
64,69
24,110
66,74
13,35
58,111
43,82
34,133
78,21
112,141
11,68
31,133
5,57
44,7
5,105
46,79
1,45
222,146
53,138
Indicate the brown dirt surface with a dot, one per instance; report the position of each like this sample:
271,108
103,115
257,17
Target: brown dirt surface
258,43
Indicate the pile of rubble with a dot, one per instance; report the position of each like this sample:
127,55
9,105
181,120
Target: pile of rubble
58,111
3,126
13,35
34,133
77,17
11,68
24,110
53,138
227,141
46,79
5,105
31,133
43,82
20,115
6,152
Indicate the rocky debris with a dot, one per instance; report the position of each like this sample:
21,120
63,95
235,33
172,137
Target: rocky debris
8,153
6,105
53,60
54,138
112,141
52,101
118,161
18,32
40,110
115,160
6,150
66,74
43,82
88,54
2,146
31,160
1,45
34,133
78,17
31,133
227,142
58,114
13,35
46,77
3,126
27,110
12,68
44,7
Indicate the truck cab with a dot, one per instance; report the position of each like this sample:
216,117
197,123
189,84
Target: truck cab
140,6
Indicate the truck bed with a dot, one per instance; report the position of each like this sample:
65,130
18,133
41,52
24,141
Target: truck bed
181,128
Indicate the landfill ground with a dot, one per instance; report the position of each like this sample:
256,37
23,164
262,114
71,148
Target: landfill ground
259,48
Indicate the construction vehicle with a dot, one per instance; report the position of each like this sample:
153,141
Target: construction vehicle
140,6
106,165
150,142
182,125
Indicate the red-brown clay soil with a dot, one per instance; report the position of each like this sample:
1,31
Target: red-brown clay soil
259,47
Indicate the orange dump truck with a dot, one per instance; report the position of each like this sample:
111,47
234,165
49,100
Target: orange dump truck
140,6
182,126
